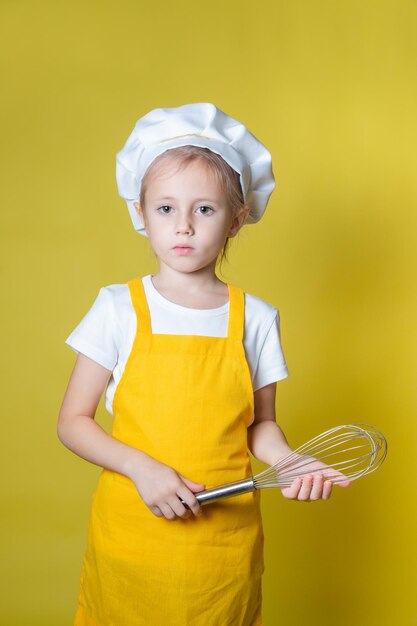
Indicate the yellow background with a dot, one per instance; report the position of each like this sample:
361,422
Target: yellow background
330,87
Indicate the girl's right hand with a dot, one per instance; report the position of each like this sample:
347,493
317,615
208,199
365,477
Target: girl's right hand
162,489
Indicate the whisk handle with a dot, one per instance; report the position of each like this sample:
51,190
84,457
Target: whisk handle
225,491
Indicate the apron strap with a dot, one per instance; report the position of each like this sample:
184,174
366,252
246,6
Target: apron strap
236,313
140,305
236,309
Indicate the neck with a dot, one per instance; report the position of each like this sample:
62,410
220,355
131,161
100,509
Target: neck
169,280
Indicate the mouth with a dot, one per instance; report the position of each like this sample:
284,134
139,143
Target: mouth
183,249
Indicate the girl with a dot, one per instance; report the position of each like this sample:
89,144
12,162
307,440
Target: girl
191,365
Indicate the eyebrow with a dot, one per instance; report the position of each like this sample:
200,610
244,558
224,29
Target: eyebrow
196,200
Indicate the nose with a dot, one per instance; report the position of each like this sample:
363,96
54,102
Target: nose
184,224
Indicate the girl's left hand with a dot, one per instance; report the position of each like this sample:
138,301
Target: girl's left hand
315,485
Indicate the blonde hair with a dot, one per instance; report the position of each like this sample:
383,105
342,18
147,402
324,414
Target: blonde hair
226,176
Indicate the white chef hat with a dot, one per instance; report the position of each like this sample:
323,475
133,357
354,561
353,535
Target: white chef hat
197,124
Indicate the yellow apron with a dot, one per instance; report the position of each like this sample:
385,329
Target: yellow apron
185,400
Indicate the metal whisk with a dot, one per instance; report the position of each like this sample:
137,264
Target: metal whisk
342,453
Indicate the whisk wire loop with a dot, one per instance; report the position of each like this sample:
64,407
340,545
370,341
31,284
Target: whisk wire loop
329,454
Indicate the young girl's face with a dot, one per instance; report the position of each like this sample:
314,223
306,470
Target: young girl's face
187,217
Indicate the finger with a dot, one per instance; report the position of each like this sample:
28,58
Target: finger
338,478
189,500
327,489
194,487
305,491
177,506
317,487
291,492
156,511
167,511
343,483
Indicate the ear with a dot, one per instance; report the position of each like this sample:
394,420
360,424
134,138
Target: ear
239,220
138,209
140,212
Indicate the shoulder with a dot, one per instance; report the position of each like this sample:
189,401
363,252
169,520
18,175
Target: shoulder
113,303
116,295
259,313
97,335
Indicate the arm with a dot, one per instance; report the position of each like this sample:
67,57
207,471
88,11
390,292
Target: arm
159,485
268,444
266,440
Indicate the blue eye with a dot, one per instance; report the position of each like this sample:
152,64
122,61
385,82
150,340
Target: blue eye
165,206
206,207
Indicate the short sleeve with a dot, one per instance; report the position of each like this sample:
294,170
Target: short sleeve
95,334
271,365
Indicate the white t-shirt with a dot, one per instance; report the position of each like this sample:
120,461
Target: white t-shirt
106,333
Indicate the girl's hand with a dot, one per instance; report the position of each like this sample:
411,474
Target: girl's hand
162,489
315,485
